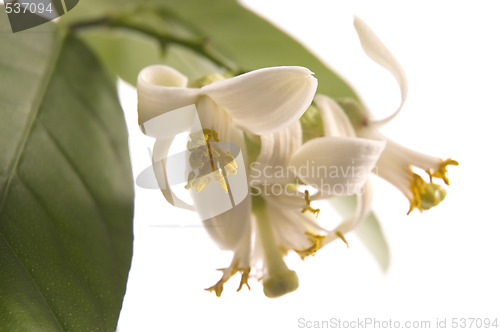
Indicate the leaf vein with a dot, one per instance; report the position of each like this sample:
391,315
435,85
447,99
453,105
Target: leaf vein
28,129
31,277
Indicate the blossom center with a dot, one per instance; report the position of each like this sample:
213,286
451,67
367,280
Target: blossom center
208,159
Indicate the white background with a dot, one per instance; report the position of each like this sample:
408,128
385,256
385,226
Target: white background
444,261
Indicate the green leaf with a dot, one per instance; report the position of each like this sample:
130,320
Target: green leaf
221,30
127,52
251,42
66,190
371,234
369,230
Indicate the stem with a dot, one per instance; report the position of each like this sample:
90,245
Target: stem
280,280
199,46
273,258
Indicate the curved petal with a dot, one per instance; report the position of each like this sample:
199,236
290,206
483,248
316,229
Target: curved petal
229,228
267,99
290,223
160,153
400,154
290,233
336,165
363,206
214,118
377,51
335,121
276,150
161,89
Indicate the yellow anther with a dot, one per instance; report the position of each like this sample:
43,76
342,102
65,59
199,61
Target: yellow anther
314,211
201,182
441,171
341,236
227,273
220,179
197,159
217,288
191,177
206,159
245,273
211,135
416,188
316,241
308,207
231,168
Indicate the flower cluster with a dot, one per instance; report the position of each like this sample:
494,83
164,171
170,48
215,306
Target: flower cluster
263,113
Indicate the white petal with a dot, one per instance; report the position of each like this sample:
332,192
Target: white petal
267,99
290,233
161,89
377,51
289,212
229,228
363,207
276,150
160,153
398,154
335,121
396,173
169,124
336,165
212,116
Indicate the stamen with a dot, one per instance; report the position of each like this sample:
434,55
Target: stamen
245,273
341,236
227,273
201,182
202,151
441,171
317,241
416,188
309,207
220,179
190,180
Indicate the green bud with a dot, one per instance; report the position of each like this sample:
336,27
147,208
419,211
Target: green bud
433,195
356,112
312,124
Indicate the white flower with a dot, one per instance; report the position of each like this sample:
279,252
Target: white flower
337,148
397,163
337,124
283,176
266,104
257,103
290,163
285,172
